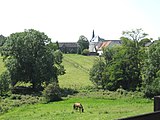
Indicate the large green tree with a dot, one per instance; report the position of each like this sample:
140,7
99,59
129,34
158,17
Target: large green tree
151,70
29,58
133,62
83,43
123,63
96,73
2,40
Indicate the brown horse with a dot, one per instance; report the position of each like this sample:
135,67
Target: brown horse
79,106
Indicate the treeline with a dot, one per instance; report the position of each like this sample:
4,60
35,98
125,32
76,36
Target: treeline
131,66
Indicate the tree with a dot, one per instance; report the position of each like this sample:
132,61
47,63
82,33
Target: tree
53,46
151,71
131,41
135,35
58,56
4,82
52,93
2,40
122,64
29,59
83,43
85,52
96,73
143,42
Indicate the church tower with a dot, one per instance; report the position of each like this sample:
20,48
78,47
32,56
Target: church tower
92,43
93,35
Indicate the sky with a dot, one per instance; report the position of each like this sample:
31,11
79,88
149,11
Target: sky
66,20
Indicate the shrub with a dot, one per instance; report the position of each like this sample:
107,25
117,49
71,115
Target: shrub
52,93
121,91
4,83
85,52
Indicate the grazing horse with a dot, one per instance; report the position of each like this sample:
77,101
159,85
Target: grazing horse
79,106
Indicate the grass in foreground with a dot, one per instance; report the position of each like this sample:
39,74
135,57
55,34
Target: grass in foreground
95,109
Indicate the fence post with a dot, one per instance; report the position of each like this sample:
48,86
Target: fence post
156,103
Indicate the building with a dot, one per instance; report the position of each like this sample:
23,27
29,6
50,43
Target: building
68,47
97,44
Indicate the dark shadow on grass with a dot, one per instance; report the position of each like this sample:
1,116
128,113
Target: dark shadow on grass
22,90
67,91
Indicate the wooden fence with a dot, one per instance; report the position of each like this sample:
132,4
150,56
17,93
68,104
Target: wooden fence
149,116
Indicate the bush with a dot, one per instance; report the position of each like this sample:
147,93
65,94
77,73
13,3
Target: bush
97,73
85,52
4,83
52,93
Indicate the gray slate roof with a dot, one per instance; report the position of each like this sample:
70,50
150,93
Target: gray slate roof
68,44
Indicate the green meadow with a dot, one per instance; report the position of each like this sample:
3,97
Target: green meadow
77,71
94,109
98,105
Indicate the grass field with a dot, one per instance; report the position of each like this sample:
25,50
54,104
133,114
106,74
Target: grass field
77,71
98,105
94,109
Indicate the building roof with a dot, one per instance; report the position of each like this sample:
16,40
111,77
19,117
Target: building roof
149,44
68,44
104,44
107,43
96,39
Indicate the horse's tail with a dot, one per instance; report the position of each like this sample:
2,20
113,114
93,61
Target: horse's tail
74,106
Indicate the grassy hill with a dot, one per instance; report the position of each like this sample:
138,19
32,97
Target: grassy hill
77,71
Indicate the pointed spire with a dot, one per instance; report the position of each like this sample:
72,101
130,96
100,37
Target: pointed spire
93,35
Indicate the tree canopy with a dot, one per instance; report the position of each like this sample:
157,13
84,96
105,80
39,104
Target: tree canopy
29,58
83,43
151,70
122,67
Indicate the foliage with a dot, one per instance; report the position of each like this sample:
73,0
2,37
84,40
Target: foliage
4,83
135,35
85,52
143,42
96,73
2,40
53,46
28,58
58,56
83,44
19,100
16,100
52,93
151,71
113,75
122,63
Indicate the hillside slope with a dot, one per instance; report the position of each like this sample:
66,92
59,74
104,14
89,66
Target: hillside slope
77,71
